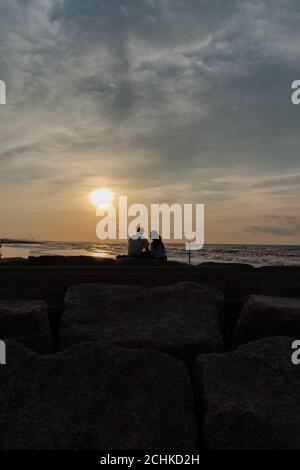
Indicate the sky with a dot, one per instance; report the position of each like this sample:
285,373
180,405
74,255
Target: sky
177,101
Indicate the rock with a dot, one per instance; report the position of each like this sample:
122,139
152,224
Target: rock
41,344
231,267
93,398
56,260
71,336
279,281
228,320
23,318
180,319
31,283
139,261
13,261
27,322
251,397
289,269
267,316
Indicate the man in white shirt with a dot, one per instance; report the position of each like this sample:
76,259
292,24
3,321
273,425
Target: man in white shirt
138,245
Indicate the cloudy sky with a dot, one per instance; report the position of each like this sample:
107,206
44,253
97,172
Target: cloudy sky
161,100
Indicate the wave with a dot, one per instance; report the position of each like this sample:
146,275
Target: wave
256,255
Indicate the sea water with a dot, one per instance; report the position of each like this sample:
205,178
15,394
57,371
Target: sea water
256,255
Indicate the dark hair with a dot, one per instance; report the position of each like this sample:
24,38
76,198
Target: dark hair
157,243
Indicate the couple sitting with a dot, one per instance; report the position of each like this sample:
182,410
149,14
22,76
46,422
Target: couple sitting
138,246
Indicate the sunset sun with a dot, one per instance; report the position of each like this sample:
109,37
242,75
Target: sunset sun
102,197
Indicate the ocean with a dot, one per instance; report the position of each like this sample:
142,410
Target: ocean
256,255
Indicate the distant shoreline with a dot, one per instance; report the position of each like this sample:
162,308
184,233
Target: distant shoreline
255,255
8,241
107,242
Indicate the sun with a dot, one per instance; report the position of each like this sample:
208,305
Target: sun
102,197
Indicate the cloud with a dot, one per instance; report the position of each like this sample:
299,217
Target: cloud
153,95
286,226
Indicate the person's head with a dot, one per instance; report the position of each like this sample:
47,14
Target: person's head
140,231
156,239
155,235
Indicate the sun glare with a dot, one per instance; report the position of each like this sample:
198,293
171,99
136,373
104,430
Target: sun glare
102,197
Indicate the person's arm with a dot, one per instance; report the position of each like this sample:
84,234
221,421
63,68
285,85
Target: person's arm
146,245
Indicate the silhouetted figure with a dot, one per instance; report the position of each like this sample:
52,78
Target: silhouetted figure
158,249
138,245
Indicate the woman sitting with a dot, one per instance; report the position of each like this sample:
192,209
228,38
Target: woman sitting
158,250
